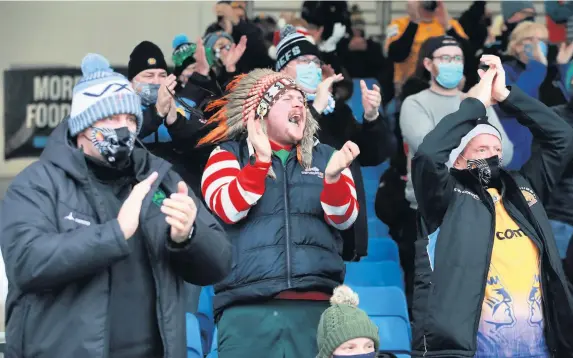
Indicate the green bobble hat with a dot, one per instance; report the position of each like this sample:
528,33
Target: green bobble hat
343,321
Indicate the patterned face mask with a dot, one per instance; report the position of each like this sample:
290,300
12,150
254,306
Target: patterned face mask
115,145
485,170
148,92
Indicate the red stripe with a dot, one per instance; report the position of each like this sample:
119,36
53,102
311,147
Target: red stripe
236,198
227,172
218,209
305,296
336,194
252,179
221,156
340,219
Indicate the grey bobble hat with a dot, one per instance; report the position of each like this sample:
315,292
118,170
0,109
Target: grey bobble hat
101,93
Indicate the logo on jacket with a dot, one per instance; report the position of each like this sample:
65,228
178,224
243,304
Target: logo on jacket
71,217
313,171
529,195
158,197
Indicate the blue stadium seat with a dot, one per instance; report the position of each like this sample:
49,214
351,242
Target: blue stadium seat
194,349
387,307
205,316
376,228
385,273
382,249
214,353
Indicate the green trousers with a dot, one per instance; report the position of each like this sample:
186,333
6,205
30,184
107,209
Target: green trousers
275,329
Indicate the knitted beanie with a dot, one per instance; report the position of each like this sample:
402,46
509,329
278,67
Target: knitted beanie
145,56
211,38
183,53
483,127
343,321
510,7
293,44
101,93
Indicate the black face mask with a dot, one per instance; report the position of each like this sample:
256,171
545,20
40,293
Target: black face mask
115,145
486,170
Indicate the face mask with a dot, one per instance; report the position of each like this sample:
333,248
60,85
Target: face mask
365,355
115,145
450,74
543,47
486,170
147,92
308,76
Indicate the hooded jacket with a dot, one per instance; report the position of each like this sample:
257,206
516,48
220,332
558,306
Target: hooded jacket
456,230
59,243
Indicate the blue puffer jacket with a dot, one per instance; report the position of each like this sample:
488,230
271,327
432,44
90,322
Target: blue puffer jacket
284,243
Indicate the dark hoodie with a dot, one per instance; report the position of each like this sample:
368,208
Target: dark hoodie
61,244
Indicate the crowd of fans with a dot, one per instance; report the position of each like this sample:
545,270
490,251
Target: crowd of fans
239,168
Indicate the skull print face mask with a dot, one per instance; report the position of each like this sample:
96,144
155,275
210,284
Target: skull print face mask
115,145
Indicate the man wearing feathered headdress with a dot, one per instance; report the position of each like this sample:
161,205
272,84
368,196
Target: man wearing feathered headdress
283,196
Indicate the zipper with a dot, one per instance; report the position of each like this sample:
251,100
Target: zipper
287,226
491,208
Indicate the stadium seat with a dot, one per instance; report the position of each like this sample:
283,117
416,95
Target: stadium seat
194,349
214,352
385,273
381,249
376,228
205,316
387,307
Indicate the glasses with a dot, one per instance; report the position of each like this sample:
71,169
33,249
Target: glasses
307,61
448,58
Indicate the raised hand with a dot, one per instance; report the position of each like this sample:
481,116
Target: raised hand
499,89
180,211
234,55
258,138
128,216
164,95
371,100
443,16
323,92
565,53
339,161
483,90
202,66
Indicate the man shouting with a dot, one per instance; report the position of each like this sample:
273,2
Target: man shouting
489,280
283,197
99,235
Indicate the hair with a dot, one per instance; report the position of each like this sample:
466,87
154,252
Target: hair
421,71
522,31
298,22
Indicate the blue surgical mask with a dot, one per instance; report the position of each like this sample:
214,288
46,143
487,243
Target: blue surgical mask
147,92
308,76
450,74
543,47
365,355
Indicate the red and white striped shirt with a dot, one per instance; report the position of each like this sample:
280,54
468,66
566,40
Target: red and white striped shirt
230,191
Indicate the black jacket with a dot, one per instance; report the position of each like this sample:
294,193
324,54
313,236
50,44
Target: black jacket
560,203
453,205
376,144
284,243
59,243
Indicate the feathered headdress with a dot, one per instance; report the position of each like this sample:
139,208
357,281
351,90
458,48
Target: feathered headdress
256,91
